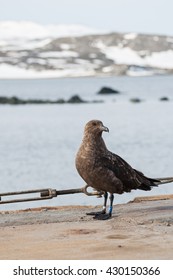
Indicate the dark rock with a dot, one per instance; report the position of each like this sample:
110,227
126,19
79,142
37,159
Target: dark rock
17,101
3,100
11,100
164,98
108,90
135,100
97,101
76,99
37,101
60,101
14,100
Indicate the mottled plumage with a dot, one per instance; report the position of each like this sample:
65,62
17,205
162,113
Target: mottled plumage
106,171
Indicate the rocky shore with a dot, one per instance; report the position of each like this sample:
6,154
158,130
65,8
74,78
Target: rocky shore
74,99
142,229
19,101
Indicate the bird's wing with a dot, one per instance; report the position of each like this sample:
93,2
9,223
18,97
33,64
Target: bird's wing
123,171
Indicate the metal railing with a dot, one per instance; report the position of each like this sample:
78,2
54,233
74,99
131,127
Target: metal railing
44,194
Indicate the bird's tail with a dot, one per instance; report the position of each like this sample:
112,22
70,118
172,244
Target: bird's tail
147,183
160,181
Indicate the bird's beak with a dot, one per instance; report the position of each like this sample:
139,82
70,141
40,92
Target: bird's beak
104,128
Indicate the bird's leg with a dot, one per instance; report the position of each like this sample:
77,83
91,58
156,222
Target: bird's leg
105,202
104,216
104,207
111,204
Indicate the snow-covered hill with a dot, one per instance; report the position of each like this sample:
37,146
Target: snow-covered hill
30,50
10,30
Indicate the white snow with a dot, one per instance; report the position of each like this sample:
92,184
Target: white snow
57,63
59,54
163,60
130,36
29,30
32,44
31,60
13,72
143,53
122,55
65,46
18,37
107,69
23,44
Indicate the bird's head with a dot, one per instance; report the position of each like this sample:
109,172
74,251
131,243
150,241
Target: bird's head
95,127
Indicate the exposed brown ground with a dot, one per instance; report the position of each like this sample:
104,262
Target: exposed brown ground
138,230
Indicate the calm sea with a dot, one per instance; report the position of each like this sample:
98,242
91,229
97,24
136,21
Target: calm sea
38,143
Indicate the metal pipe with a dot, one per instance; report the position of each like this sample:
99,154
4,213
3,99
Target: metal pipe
46,194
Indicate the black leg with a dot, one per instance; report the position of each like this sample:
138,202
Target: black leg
104,207
104,216
111,204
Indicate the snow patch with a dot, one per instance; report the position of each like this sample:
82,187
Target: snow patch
65,46
13,72
122,55
29,30
57,63
23,44
32,60
130,36
59,54
162,60
107,69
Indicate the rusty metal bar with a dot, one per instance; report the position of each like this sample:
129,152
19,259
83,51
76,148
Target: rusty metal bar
45,194
49,195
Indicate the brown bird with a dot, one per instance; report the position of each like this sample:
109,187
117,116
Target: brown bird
106,171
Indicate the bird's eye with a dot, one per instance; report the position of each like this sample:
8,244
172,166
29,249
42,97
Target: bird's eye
94,123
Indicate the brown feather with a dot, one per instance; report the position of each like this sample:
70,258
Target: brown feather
104,170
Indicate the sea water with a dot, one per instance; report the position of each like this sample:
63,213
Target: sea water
38,143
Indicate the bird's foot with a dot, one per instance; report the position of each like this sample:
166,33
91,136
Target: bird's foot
96,213
102,216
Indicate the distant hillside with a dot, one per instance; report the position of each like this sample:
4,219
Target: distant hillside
28,50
